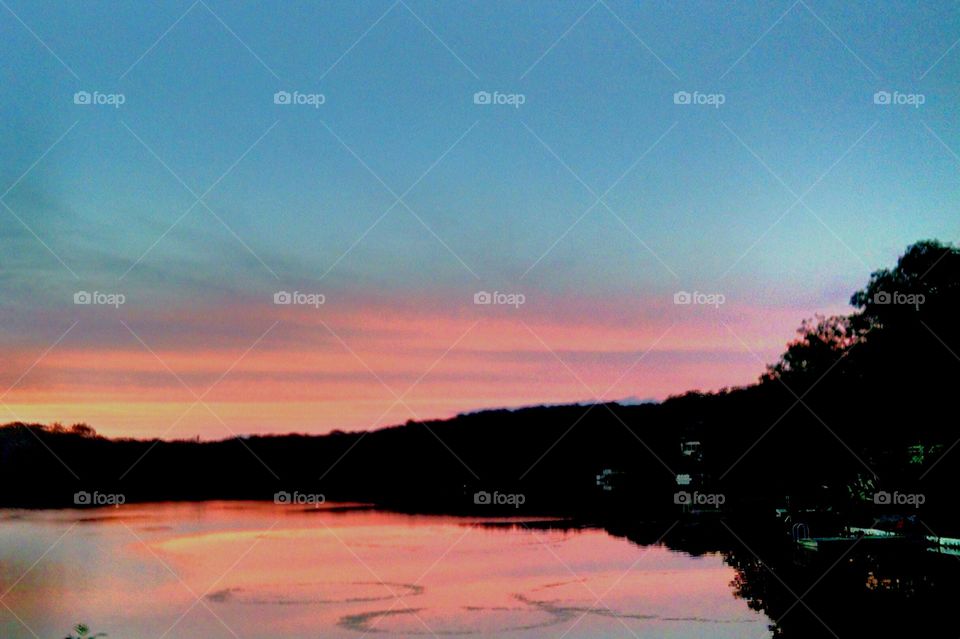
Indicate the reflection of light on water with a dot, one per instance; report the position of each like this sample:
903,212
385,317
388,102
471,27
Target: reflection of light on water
280,573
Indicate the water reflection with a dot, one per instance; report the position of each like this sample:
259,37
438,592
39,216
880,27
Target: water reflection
895,588
260,571
900,593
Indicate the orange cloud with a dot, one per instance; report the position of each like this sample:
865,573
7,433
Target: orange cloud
344,366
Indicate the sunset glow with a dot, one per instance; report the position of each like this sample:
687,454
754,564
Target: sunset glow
194,190
319,370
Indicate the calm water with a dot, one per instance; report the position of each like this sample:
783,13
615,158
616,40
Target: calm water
260,571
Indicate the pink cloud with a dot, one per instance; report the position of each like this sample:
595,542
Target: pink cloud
340,366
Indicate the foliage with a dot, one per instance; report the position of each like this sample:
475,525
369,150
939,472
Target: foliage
82,631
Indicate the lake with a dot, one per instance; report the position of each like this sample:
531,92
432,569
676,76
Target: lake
262,571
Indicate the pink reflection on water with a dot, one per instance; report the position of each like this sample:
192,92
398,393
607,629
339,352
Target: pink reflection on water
265,571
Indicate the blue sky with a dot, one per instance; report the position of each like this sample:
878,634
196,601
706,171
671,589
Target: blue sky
494,197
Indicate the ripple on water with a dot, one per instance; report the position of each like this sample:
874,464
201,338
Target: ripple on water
532,613
322,592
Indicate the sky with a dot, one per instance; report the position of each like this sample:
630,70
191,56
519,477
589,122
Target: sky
466,204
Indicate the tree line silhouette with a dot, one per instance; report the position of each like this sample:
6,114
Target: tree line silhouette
856,404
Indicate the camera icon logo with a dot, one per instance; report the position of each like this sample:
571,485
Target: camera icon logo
682,498
482,97
881,498
482,498
882,297
681,97
282,497
81,97
881,97
282,297
82,498
82,297
482,297
282,97
682,297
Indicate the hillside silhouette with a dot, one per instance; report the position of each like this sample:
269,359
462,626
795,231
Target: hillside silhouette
856,404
